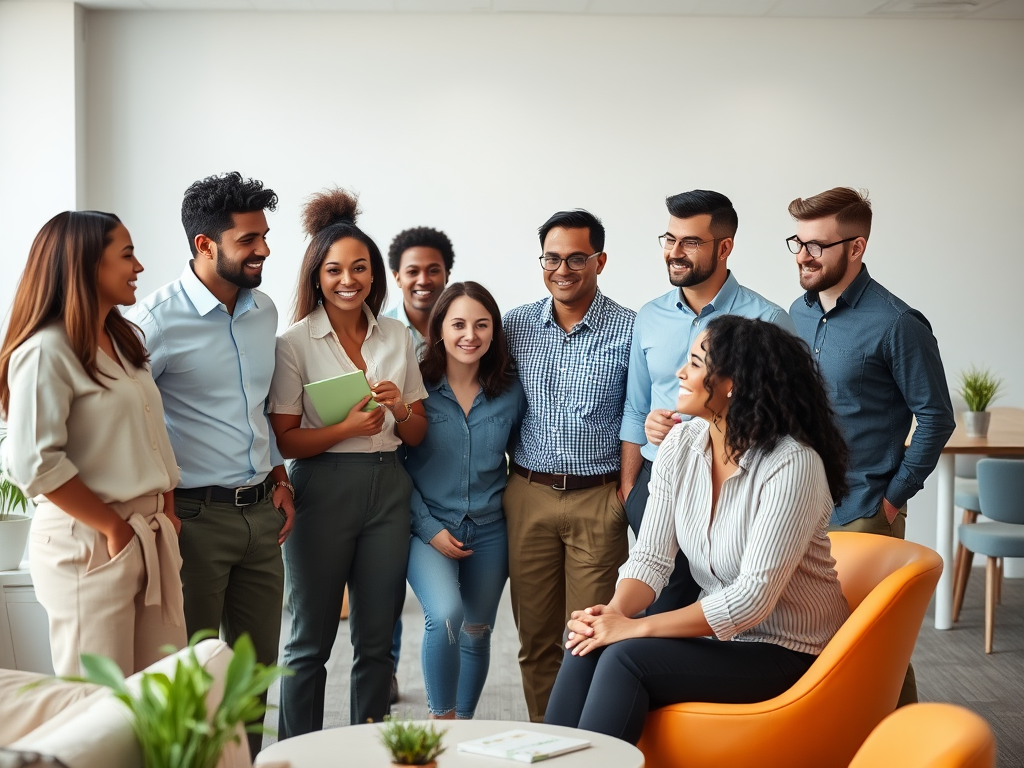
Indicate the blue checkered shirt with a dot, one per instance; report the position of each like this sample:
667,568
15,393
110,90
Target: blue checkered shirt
575,386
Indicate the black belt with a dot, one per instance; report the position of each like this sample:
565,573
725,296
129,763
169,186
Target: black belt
240,497
565,482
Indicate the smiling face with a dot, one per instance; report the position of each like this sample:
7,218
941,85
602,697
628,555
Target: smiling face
566,285
837,265
693,397
345,275
118,270
685,271
421,277
467,331
243,249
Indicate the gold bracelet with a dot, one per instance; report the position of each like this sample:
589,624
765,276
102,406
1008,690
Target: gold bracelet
408,415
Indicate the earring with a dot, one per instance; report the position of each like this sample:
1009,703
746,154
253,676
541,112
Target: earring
730,394
318,285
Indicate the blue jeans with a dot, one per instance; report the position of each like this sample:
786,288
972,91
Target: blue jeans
460,600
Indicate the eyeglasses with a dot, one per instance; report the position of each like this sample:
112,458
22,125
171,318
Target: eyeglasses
688,245
576,262
813,249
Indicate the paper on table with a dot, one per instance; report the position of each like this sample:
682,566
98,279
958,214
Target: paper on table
524,746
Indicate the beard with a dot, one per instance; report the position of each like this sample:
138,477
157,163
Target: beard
826,277
695,276
235,273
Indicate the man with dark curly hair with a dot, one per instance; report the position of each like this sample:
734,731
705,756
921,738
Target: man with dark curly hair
421,261
210,336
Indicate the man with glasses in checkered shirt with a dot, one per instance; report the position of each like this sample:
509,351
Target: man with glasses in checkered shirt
566,520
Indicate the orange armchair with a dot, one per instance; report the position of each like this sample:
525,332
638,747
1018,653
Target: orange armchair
823,719
929,736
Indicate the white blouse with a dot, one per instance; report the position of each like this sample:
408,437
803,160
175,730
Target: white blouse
310,351
763,560
61,423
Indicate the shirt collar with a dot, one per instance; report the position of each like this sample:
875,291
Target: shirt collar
320,323
723,299
205,302
590,320
853,291
702,445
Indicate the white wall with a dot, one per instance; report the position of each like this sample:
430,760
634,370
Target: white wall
41,139
484,125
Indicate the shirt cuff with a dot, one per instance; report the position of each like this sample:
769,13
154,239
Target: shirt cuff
899,492
428,528
630,432
716,612
50,480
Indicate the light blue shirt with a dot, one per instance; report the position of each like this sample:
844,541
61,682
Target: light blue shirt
398,313
214,371
459,470
664,332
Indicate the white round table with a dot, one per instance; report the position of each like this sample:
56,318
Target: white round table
359,745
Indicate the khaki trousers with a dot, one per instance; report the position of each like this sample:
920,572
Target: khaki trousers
564,552
126,608
878,525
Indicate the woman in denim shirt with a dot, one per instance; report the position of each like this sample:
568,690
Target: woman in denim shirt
458,553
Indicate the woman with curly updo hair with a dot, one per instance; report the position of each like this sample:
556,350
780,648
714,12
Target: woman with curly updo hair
351,493
745,488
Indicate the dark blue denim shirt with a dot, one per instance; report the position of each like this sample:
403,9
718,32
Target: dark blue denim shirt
882,367
460,470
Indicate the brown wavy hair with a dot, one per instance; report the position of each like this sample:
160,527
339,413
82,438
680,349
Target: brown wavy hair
328,217
496,369
59,284
851,208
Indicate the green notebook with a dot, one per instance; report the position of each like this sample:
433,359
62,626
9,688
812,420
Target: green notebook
334,398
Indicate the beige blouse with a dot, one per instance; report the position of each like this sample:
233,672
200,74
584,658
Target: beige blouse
61,423
310,351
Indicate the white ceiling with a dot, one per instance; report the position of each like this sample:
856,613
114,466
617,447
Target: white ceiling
942,9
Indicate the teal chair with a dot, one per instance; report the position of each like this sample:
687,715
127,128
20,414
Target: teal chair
1001,493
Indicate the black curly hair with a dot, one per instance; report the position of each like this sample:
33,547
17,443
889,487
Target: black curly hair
209,203
777,391
420,237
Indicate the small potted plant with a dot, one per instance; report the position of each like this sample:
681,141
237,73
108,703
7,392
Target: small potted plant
14,528
169,713
411,743
978,388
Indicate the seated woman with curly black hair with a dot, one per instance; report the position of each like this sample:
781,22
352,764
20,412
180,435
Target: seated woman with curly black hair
745,489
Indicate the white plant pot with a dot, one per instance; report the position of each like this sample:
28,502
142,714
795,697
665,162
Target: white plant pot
13,538
976,423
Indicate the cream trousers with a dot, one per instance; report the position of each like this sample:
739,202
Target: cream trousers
127,607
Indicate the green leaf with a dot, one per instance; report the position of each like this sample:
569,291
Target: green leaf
103,671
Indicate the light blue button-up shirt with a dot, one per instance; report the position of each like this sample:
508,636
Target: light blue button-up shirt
214,371
459,470
398,313
662,336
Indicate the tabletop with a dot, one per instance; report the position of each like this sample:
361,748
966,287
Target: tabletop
359,745
1005,435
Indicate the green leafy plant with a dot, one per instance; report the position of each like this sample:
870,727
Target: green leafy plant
169,715
978,388
411,743
11,498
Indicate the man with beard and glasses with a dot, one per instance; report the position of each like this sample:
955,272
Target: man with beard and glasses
880,362
210,336
696,247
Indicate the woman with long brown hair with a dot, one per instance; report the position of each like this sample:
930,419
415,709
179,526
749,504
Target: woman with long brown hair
86,438
351,492
458,554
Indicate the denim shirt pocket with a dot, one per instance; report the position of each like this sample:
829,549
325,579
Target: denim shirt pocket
844,374
439,436
496,430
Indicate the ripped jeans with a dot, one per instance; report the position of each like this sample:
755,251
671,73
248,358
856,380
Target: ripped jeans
460,600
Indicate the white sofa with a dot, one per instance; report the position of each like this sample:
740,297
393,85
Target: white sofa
84,726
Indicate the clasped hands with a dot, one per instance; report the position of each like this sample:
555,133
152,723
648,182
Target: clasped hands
369,423
598,626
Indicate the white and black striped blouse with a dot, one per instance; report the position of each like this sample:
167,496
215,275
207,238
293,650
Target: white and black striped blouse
763,560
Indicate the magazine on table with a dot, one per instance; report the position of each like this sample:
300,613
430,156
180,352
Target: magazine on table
524,746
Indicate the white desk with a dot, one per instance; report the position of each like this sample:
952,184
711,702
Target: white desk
359,745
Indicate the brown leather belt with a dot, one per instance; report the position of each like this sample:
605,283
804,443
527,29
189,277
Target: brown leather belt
565,482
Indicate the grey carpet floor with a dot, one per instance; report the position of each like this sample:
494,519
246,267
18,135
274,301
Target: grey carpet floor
951,666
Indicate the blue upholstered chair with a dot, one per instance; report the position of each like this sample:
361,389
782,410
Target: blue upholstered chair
1001,493
966,497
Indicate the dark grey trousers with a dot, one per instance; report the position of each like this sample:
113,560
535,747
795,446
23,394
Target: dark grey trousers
351,527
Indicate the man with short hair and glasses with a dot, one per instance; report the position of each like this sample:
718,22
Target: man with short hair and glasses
566,524
696,247
880,362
